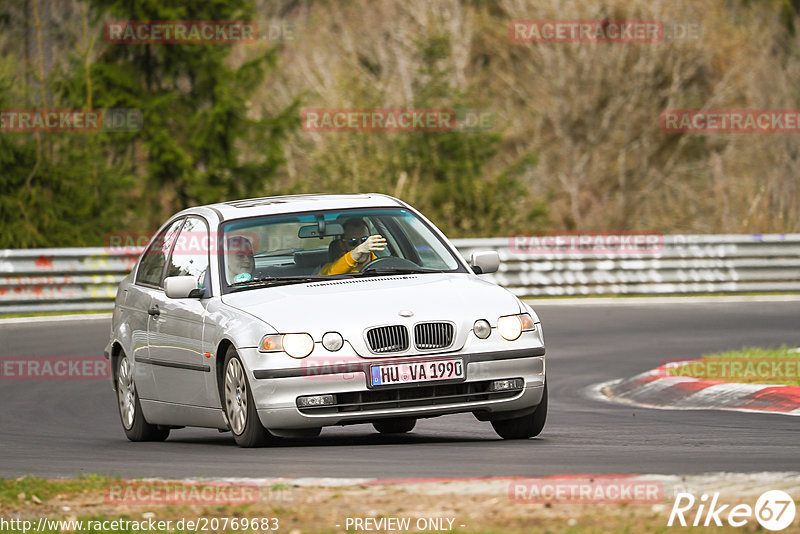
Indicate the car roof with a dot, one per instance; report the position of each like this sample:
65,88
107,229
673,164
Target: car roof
252,207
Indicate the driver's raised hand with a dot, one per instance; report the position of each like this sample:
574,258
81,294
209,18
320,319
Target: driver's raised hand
363,252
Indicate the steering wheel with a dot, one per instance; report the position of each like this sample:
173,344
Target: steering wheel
389,262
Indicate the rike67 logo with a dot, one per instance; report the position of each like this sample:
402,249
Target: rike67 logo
774,510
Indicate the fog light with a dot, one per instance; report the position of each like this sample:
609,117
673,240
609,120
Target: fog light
506,385
482,328
315,400
332,341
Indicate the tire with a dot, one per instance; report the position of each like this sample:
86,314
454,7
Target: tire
239,406
395,426
130,409
526,426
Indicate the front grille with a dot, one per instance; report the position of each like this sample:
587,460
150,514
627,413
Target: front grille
410,397
430,336
386,339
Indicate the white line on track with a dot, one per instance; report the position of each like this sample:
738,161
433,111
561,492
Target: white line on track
635,301
57,318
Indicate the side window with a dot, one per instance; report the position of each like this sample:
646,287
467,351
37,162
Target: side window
152,265
190,254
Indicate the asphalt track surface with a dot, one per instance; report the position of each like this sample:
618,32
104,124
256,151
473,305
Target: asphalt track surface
68,428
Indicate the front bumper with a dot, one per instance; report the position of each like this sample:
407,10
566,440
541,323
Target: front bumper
275,391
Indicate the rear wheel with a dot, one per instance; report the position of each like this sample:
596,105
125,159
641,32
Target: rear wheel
130,410
239,406
395,426
526,426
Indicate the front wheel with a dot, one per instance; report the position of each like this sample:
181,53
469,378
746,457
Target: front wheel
130,409
239,405
526,426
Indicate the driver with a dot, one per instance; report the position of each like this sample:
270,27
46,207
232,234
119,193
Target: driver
356,247
239,262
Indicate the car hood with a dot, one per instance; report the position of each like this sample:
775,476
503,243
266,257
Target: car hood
352,305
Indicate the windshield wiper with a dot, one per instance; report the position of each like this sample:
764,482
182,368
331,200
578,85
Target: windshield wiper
398,270
268,281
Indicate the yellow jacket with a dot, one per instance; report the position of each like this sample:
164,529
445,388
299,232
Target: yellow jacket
345,264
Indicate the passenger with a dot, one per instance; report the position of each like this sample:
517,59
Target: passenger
356,247
240,263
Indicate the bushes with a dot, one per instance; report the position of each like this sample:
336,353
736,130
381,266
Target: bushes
577,124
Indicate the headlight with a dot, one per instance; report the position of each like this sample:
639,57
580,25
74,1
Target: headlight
298,345
295,345
512,326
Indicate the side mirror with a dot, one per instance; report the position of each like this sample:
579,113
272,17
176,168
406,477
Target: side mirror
485,262
181,287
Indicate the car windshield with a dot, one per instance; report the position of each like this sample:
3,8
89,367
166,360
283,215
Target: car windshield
281,249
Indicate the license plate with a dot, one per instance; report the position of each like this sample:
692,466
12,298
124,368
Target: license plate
411,372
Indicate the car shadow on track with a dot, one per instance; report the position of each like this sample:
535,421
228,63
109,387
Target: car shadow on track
338,440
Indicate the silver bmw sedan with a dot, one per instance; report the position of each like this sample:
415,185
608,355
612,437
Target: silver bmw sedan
274,317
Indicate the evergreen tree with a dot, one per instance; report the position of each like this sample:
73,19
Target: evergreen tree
199,142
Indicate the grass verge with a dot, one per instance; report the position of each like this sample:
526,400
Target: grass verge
306,509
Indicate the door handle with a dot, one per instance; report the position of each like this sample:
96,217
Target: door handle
154,311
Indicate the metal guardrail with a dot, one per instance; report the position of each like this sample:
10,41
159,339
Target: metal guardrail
679,264
86,278
61,279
